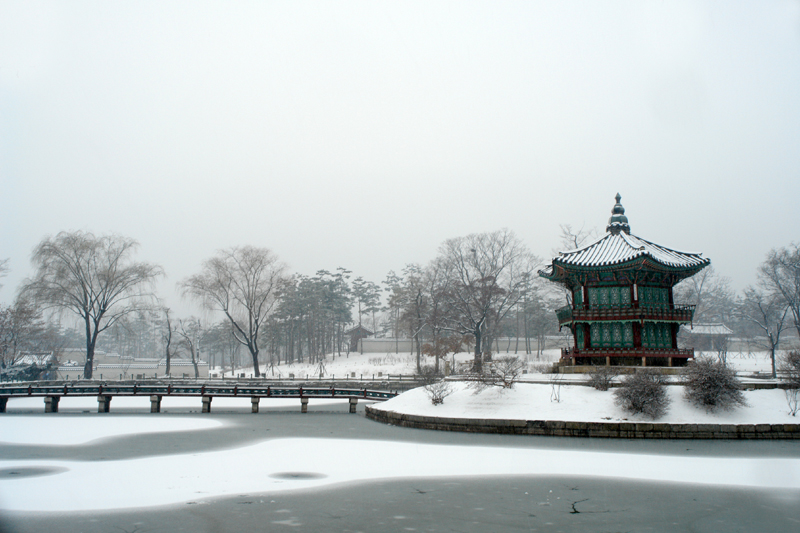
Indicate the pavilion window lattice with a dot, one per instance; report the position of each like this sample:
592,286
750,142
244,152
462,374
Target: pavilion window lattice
656,335
611,334
654,297
604,297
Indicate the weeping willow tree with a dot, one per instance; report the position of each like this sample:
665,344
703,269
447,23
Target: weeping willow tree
94,277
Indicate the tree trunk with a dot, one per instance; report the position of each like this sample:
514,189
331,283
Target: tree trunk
194,363
477,365
90,343
256,370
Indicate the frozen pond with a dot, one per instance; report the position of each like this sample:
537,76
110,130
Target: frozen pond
332,469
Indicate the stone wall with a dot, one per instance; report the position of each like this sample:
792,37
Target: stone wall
624,430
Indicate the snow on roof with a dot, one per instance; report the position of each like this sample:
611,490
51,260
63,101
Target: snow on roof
709,329
40,359
620,247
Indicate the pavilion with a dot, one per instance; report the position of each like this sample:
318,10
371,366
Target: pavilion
621,310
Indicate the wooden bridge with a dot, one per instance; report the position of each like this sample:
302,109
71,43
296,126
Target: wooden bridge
52,392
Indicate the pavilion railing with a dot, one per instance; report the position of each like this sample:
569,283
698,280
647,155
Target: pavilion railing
595,313
569,353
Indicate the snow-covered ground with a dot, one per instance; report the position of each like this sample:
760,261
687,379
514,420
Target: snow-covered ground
75,431
371,364
573,402
366,366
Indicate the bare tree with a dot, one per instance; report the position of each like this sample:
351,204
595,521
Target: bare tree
189,331
93,277
711,295
3,269
436,287
780,275
415,306
242,283
488,272
572,239
166,336
768,313
22,330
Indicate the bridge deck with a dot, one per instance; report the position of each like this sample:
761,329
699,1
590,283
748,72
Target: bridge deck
53,392
265,391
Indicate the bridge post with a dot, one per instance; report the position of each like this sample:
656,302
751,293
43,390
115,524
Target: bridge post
207,404
303,405
155,404
353,404
51,404
103,403
254,404
3,403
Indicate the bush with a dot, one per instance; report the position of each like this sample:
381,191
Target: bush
601,376
438,391
503,372
643,392
790,367
713,385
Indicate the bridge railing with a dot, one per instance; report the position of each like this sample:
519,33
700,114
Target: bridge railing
188,389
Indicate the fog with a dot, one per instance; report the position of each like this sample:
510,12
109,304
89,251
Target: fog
363,134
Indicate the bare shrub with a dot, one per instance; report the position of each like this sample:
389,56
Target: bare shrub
438,391
643,392
791,400
601,377
503,372
712,385
790,368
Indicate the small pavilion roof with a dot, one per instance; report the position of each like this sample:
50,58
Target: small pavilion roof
619,246
708,329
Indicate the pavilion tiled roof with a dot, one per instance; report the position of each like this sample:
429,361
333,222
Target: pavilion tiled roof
617,248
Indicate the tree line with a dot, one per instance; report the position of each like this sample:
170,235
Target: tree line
478,288
475,287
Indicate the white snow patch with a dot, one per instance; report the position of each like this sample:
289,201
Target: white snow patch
72,431
163,480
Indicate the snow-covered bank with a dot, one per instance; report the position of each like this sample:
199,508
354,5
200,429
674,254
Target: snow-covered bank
577,403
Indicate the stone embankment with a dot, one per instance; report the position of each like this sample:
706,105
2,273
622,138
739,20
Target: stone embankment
624,430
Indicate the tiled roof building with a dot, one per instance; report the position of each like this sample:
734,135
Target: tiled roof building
622,311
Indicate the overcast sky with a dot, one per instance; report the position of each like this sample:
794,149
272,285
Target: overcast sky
363,134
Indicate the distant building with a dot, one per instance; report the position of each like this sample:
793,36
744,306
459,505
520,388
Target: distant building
129,368
712,337
356,334
622,310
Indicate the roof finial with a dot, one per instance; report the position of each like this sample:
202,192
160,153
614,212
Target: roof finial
618,221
